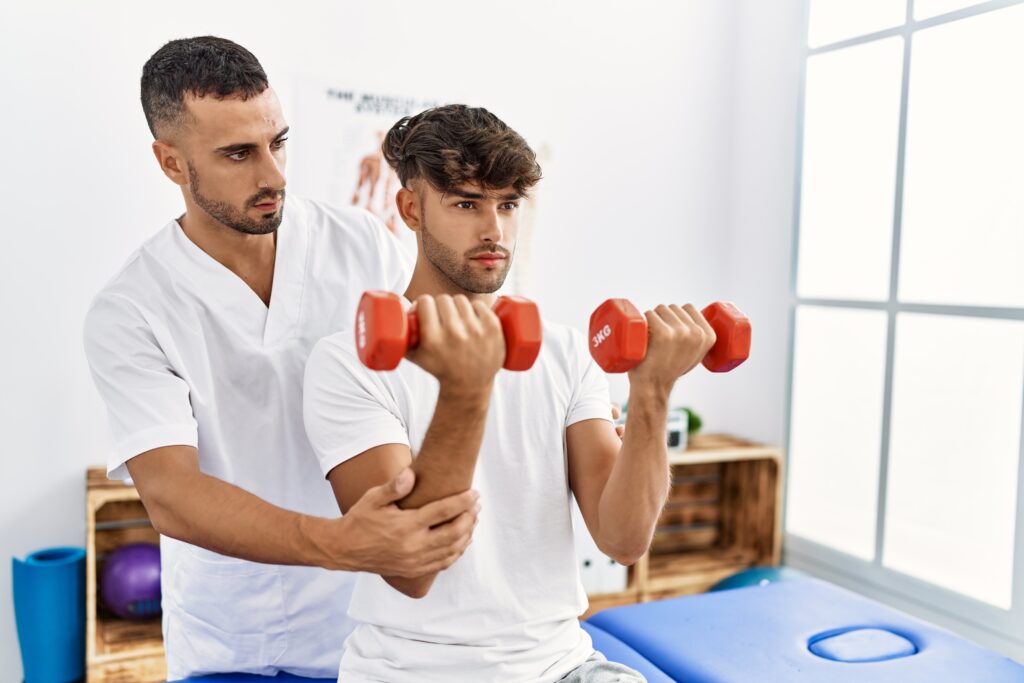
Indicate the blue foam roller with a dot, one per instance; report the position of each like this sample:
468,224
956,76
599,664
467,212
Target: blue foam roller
49,611
758,576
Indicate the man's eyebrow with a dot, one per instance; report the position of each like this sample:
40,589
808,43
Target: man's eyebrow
467,194
246,146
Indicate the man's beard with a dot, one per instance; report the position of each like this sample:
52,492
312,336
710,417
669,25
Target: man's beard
460,273
233,218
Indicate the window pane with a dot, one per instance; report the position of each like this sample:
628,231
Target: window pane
830,21
963,207
851,126
836,427
954,447
932,8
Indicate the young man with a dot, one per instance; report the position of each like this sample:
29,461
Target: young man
197,346
508,609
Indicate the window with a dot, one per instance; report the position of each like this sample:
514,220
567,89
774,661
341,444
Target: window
907,374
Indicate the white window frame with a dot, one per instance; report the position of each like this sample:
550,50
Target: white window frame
1002,630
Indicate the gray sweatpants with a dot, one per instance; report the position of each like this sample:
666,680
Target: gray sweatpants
597,669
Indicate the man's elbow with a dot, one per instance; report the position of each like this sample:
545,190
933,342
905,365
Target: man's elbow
413,588
161,519
161,515
417,592
625,553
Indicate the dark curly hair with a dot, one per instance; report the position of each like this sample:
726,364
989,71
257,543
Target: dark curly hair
455,144
200,66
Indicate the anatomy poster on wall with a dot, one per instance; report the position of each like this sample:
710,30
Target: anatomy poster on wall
335,157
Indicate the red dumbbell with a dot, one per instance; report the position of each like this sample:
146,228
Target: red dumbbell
385,331
618,336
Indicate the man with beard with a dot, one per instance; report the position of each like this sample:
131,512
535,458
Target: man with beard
508,609
197,346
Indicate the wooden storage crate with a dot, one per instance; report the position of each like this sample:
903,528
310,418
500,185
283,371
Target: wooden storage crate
723,515
116,650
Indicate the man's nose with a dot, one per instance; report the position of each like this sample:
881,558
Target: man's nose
490,228
272,173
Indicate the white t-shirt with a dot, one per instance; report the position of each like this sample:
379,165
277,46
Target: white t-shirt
508,609
184,352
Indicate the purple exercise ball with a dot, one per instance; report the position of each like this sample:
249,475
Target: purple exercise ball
130,581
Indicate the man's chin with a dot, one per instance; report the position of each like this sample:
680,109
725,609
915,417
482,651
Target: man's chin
487,287
262,227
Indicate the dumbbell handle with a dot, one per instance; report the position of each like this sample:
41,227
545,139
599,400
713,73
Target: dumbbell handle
413,322
414,328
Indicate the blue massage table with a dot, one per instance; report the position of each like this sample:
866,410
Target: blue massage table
804,631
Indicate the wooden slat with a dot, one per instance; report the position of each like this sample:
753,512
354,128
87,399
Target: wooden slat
690,493
96,478
714,442
110,539
681,515
718,448
120,635
118,510
661,566
684,540
696,570
145,669
690,585
696,470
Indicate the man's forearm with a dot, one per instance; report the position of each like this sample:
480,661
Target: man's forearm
213,514
638,484
446,462
447,459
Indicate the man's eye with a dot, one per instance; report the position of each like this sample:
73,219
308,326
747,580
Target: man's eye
465,205
238,156
510,206
278,144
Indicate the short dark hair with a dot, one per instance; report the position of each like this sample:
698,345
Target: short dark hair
455,144
199,66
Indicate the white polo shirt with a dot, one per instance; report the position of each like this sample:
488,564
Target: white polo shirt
183,352
508,609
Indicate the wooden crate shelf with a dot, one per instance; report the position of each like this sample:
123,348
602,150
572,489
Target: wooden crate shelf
116,650
723,515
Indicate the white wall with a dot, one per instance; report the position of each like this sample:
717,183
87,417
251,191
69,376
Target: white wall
768,55
658,115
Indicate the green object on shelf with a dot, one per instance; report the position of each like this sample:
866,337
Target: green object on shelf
695,422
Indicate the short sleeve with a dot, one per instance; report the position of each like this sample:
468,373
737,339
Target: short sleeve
147,403
590,396
346,408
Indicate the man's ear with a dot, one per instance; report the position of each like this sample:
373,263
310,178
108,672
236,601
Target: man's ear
410,208
172,162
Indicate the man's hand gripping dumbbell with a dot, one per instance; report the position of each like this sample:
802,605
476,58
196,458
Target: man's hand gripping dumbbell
385,332
620,337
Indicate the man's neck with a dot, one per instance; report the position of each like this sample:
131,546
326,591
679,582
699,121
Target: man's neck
250,257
